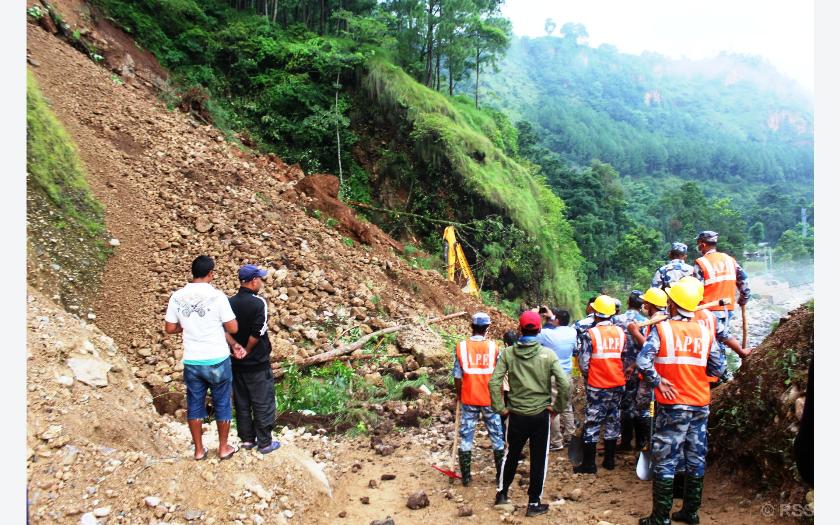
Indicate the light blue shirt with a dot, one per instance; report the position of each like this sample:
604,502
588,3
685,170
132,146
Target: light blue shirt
561,340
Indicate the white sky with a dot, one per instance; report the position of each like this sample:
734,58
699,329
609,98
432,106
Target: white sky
782,31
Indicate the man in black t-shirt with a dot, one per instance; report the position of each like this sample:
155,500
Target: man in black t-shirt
253,382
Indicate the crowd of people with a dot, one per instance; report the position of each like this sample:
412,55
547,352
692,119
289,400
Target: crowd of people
647,373
663,348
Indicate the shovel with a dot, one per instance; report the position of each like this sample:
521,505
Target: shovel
576,450
644,467
451,471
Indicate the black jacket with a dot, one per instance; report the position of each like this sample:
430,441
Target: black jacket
251,313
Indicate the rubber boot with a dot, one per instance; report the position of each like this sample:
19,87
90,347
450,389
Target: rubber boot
498,455
692,496
627,434
588,465
642,429
465,462
662,500
679,484
609,454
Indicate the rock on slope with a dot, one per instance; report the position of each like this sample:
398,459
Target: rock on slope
755,418
174,189
98,450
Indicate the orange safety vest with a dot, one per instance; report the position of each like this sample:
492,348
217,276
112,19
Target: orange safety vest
683,353
718,279
478,359
605,367
710,322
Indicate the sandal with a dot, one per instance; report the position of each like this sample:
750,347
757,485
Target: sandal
235,450
274,445
202,457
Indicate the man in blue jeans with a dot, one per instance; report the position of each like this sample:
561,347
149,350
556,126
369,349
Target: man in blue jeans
203,314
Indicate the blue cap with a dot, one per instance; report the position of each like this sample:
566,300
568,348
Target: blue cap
679,248
707,236
481,319
250,271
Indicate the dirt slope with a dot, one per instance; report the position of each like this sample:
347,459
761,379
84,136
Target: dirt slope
105,447
173,189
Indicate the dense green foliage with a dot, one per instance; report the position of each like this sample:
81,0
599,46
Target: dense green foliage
732,124
468,148
53,166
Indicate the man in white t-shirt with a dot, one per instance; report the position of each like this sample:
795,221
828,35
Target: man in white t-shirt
203,314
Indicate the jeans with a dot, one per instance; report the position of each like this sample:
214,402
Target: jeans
253,395
218,378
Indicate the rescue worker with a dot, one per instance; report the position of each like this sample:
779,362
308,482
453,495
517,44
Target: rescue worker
721,275
530,368
584,324
676,360
628,399
676,268
600,361
654,303
475,360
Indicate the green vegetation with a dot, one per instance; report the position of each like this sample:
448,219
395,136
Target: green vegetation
338,390
53,166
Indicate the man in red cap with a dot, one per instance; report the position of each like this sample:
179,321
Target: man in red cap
529,367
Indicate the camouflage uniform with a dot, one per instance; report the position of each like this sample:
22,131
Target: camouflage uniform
724,317
602,404
581,327
628,400
679,430
469,419
672,272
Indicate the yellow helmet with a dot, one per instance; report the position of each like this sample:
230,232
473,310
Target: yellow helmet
695,283
656,297
604,305
685,294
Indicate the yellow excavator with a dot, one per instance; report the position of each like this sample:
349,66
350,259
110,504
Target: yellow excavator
455,255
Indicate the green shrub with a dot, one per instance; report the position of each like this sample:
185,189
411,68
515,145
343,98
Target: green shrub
53,165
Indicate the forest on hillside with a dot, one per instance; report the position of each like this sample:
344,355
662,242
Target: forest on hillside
430,108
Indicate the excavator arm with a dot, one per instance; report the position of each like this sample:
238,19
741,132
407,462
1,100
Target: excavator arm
455,256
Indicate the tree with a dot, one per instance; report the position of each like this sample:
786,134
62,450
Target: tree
550,26
757,232
575,33
490,39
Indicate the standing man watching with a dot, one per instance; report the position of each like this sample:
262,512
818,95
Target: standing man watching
475,359
721,276
676,268
561,339
253,382
529,367
603,348
202,313
677,359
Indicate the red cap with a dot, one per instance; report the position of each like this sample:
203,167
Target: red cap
530,321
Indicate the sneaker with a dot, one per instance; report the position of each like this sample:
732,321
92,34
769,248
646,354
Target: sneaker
501,499
270,448
248,445
535,509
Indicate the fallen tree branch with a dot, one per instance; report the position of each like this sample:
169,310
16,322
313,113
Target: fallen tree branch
342,351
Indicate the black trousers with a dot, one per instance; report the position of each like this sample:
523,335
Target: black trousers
535,430
253,398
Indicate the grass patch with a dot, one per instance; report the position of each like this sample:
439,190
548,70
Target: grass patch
450,134
53,165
